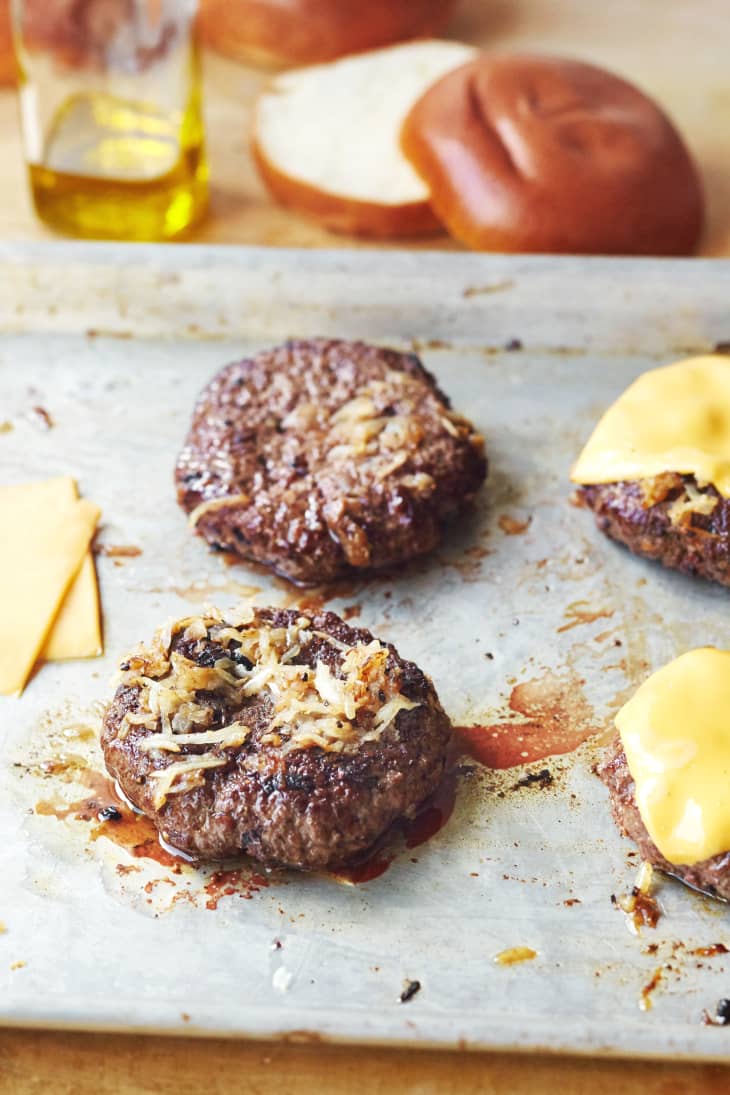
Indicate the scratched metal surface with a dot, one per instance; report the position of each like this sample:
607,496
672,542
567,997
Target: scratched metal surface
115,344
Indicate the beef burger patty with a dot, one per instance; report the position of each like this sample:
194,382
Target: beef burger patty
321,457
669,518
711,875
288,736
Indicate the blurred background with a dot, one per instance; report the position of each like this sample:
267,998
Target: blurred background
674,50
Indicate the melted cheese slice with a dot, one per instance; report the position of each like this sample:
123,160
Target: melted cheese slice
672,419
675,732
45,536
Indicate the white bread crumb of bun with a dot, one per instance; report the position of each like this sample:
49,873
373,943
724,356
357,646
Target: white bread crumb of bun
327,138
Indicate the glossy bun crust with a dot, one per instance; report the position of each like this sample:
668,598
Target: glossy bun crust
530,153
7,56
305,32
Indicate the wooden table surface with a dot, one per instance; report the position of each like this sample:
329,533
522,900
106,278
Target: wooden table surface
677,50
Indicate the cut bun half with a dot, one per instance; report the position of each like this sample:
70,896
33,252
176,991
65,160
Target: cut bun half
327,138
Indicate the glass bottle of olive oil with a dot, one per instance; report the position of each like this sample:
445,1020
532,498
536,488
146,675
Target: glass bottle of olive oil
110,101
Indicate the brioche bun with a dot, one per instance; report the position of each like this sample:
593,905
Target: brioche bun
326,139
531,153
8,71
305,32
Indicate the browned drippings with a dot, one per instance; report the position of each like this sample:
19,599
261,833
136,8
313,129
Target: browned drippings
200,592
431,818
711,951
113,551
496,287
371,868
513,955
556,719
640,908
580,612
511,526
645,999
65,766
469,565
434,813
155,882
239,882
42,417
314,599
646,909
116,821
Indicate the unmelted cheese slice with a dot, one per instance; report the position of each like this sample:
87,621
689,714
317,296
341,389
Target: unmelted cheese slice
675,732
76,631
44,537
673,419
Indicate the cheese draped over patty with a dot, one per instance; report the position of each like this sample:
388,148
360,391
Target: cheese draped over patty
675,732
673,419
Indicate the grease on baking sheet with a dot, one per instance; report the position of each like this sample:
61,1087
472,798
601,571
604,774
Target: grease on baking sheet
639,906
117,551
512,526
646,1002
580,612
513,955
430,819
238,882
115,821
549,716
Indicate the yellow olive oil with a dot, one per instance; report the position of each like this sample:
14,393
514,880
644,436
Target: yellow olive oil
113,168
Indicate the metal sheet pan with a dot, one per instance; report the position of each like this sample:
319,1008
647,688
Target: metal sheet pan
524,601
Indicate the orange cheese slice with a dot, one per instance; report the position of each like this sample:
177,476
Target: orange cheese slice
45,535
76,631
675,731
676,418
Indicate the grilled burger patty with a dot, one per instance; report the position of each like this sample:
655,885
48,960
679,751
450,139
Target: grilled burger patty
294,738
320,457
711,875
668,518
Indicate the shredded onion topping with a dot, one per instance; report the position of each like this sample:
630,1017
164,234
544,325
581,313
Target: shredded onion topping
335,702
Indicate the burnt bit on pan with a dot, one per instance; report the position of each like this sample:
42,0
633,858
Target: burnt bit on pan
117,551
412,987
721,1018
41,417
541,780
639,907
